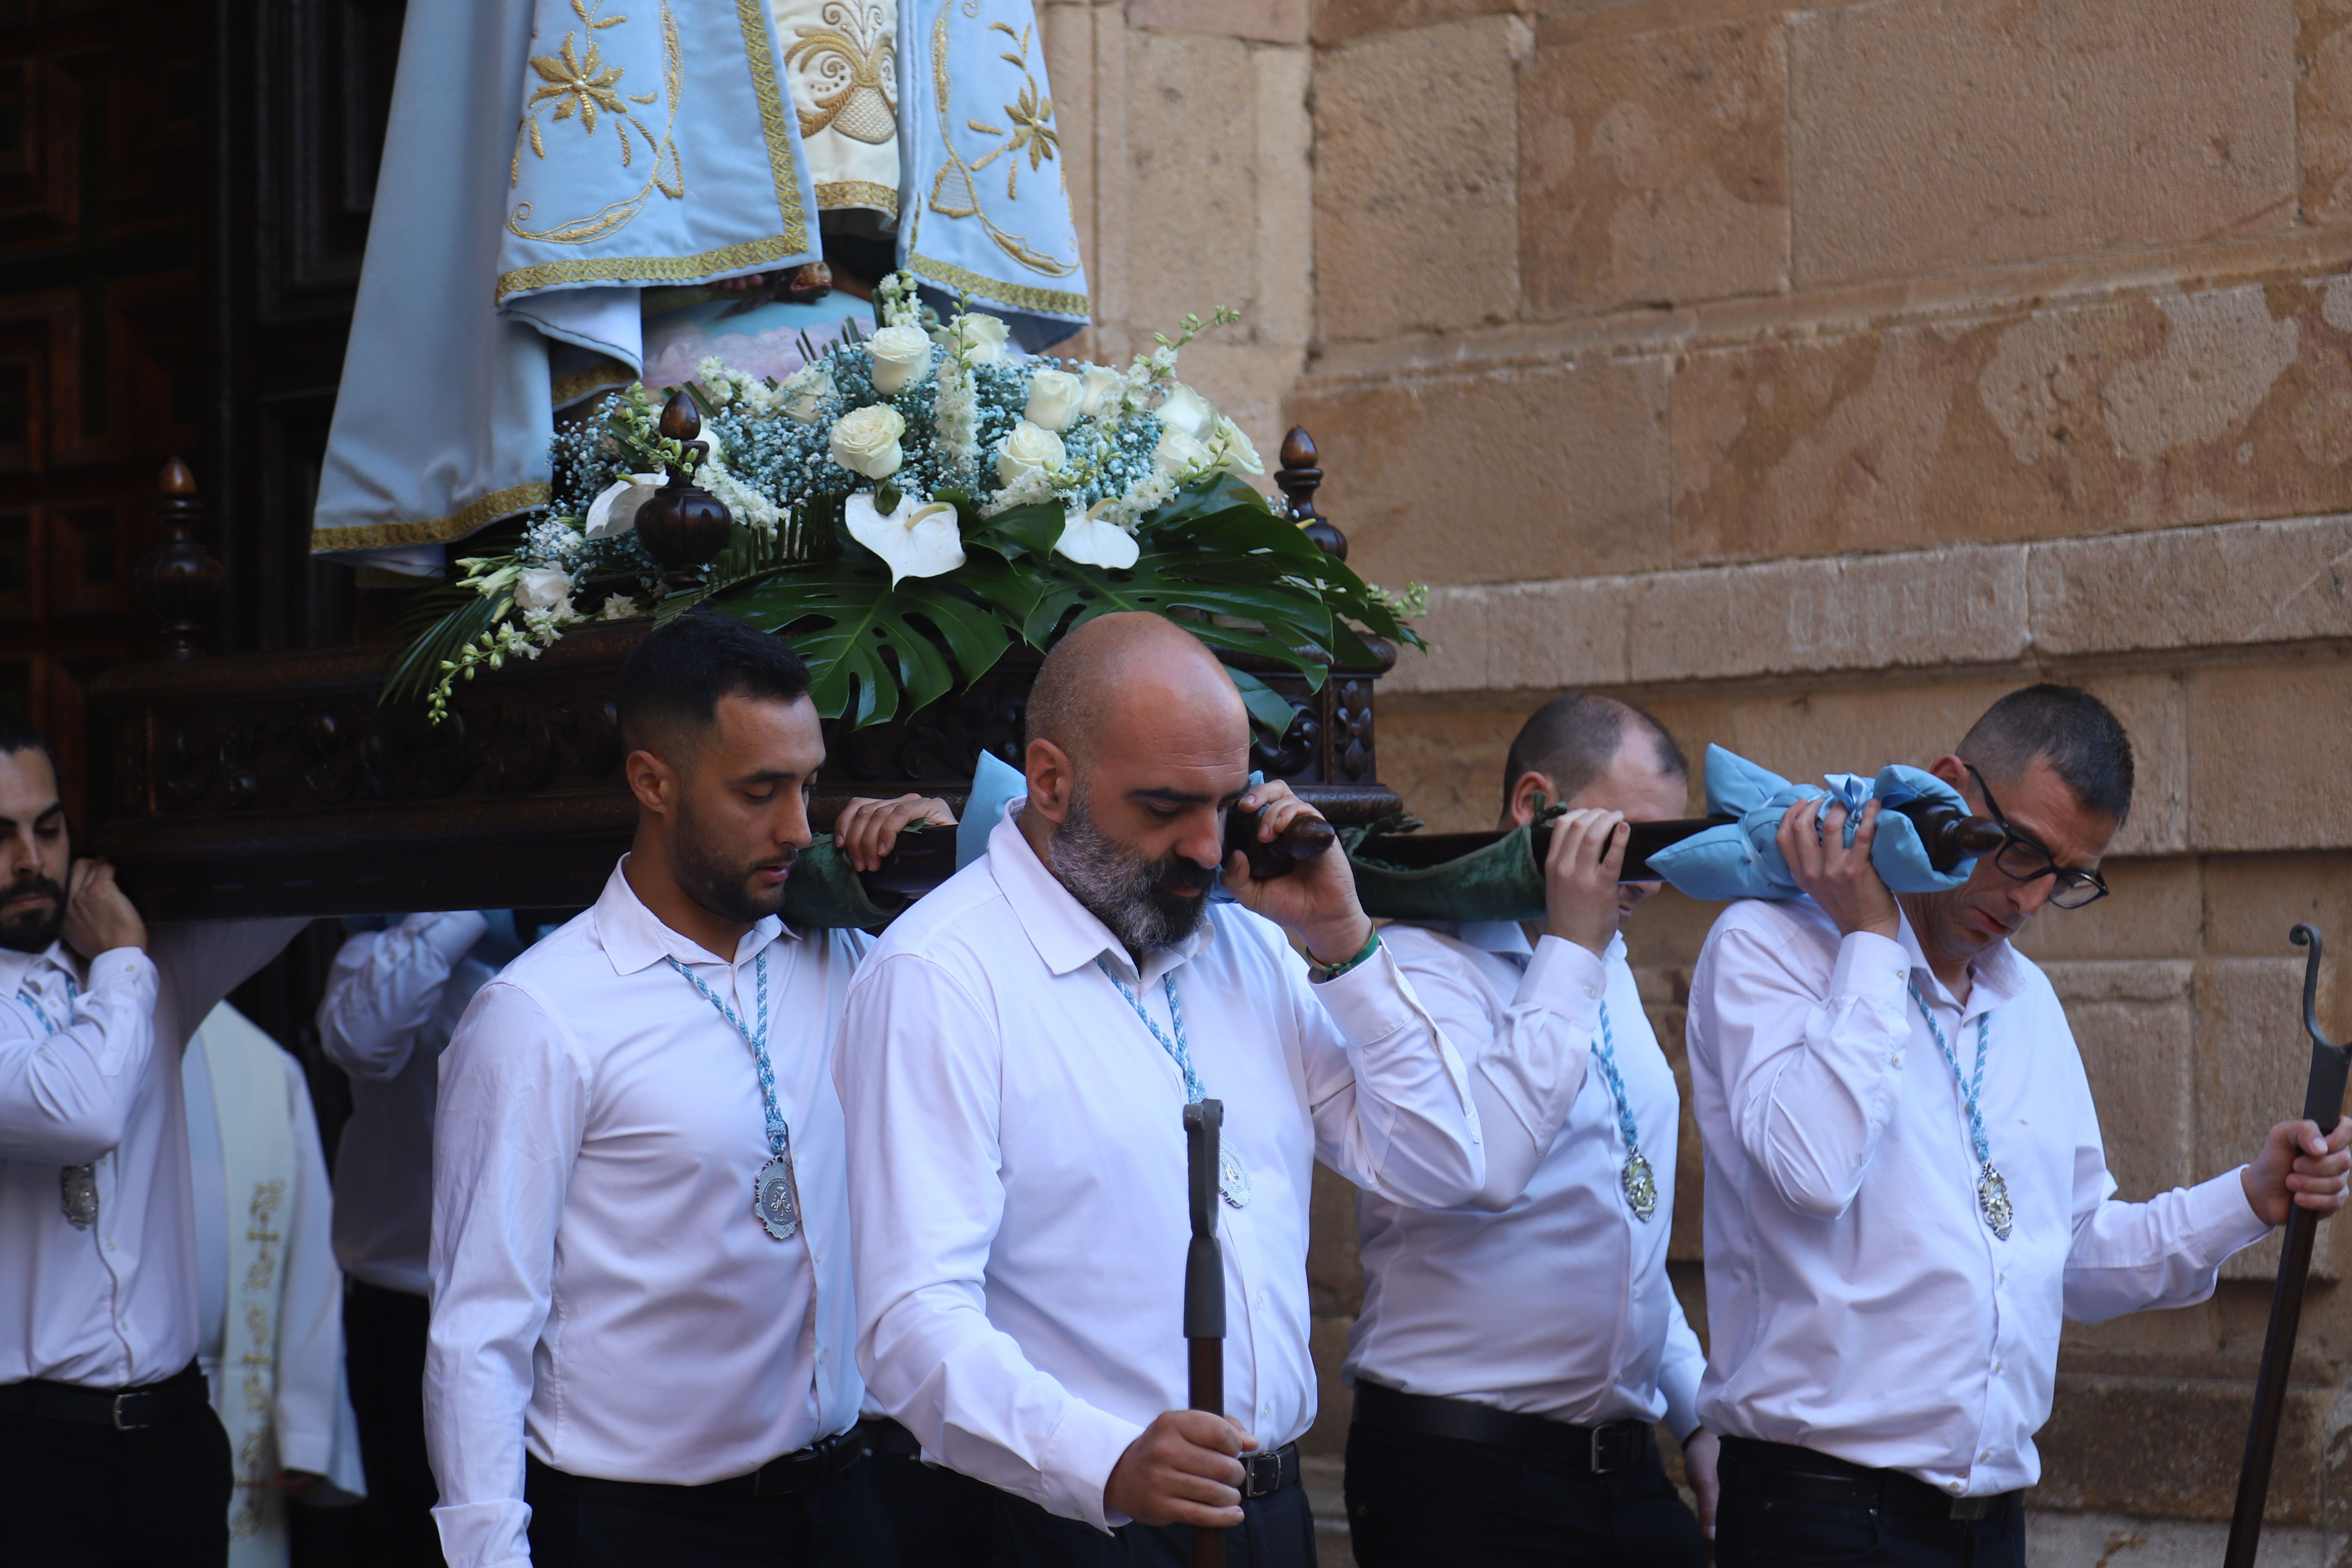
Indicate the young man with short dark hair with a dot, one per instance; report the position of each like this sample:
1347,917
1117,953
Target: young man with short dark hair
641,1335
1515,1353
1905,1186
109,1451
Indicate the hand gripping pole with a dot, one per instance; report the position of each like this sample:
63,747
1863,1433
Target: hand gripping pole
1204,1290
2323,1103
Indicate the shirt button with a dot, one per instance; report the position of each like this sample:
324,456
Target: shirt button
1996,1367
1956,1488
823,1358
109,1247
817,1254
1985,1458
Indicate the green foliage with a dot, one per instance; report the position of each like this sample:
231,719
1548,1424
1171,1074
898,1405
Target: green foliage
864,640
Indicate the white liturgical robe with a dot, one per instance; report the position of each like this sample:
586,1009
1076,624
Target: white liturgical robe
1860,1303
1595,1333
602,1291
1017,1166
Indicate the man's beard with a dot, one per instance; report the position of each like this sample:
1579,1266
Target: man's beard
708,874
28,932
1139,899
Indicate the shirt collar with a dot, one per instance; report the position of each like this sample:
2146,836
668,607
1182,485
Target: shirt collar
1066,933
1508,939
634,938
16,967
1995,975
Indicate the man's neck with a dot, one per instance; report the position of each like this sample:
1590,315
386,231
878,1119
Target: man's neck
1952,969
648,877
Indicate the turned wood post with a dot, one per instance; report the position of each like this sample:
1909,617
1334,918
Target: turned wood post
1299,479
182,582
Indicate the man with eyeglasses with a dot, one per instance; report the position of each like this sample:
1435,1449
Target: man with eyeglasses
1906,1187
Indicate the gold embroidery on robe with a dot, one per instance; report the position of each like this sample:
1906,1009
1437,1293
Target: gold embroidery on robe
580,86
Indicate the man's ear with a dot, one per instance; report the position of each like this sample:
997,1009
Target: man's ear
1530,793
653,781
1053,780
1953,771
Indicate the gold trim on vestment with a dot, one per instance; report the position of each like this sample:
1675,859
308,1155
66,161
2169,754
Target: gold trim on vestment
1020,296
858,193
434,531
753,15
579,384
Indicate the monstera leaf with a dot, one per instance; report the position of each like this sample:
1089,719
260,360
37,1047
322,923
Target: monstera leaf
864,640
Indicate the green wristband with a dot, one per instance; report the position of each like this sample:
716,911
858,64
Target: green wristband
1320,972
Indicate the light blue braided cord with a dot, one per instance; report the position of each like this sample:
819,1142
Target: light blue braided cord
779,1132
1177,1047
73,994
1971,1091
1607,1056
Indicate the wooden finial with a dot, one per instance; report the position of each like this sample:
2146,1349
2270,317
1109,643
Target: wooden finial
1299,479
680,419
182,582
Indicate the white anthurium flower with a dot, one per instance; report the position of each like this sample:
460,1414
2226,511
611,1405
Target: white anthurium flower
1178,455
542,588
614,510
1030,449
1091,538
1106,390
866,440
922,538
902,356
1056,399
1234,452
804,395
1187,412
981,337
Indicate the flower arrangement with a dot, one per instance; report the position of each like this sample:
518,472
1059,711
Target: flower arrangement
908,505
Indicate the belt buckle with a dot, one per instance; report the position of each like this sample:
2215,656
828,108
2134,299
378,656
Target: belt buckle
1597,1467
1970,1509
1261,1475
115,1413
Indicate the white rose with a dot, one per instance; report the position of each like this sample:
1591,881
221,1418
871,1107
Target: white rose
983,338
902,356
1104,390
1178,454
802,396
866,441
614,510
1054,399
1234,452
1187,412
542,588
1030,449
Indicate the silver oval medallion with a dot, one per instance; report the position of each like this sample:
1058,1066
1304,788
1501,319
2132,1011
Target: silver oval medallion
1233,1182
78,1193
1641,1185
1992,1196
776,1199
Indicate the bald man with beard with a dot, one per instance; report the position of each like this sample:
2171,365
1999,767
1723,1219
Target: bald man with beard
1014,1062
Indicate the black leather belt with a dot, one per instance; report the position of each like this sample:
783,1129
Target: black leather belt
1262,1475
1802,1475
124,1409
800,1469
1596,1450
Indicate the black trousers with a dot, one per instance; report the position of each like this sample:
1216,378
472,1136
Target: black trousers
1758,1524
578,1523
383,1362
1007,1532
1417,1501
79,1495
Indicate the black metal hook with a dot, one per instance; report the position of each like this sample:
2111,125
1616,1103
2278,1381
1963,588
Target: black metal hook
2308,936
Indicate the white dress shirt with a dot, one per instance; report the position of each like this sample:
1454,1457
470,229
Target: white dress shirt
602,1292
1017,1169
113,1306
1595,1335
1861,1304
393,1001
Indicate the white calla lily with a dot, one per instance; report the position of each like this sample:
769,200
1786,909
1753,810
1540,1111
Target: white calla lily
922,538
1091,538
614,510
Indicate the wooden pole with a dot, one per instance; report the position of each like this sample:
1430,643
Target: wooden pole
2323,1104
1204,1291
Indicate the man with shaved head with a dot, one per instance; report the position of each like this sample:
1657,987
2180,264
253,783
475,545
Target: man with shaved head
1013,1064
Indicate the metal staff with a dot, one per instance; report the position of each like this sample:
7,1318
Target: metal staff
1204,1291
2323,1104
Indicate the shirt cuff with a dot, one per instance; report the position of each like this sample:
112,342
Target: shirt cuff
454,934
1568,978
121,966
1873,967
485,1534
311,1451
1370,1002
2222,1220
1077,1462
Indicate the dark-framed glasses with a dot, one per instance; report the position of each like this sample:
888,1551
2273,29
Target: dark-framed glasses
2020,860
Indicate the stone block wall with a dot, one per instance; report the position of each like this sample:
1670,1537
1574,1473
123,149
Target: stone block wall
1812,373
